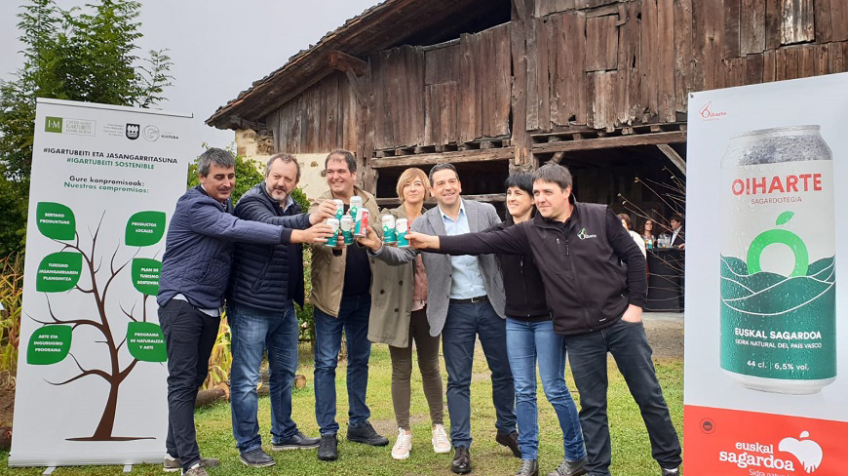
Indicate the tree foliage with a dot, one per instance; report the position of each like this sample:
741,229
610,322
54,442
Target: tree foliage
76,54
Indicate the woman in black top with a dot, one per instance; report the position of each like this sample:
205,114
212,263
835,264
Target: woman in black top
531,338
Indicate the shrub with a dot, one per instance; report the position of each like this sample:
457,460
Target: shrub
11,294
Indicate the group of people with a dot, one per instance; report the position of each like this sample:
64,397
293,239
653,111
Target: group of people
558,275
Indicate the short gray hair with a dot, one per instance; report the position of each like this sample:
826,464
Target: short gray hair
219,157
286,159
553,173
444,166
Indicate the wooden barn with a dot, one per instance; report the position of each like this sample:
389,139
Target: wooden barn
495,86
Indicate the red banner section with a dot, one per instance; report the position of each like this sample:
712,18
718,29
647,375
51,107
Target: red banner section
722,442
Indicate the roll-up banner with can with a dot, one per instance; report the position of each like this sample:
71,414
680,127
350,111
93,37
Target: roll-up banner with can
91,382
766,338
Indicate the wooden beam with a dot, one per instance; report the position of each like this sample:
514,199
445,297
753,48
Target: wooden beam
557,158
674,157
489,198
474,155
607,142
344,62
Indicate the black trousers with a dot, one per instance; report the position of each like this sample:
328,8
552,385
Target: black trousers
190,336
628,345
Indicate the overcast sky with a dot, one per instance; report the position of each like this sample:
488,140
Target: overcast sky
218,47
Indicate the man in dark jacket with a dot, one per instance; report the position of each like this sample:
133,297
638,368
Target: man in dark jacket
195,270
266,281
596,304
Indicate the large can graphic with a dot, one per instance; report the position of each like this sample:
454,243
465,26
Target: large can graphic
778,285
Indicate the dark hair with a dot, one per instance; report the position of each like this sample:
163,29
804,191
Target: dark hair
644,230
341,154
286,159
522,180
553,173
215,156
438,167
677,217
627,220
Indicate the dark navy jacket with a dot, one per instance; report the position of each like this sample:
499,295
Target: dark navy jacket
267,276
199,248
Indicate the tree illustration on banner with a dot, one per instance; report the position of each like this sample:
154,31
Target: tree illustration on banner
61,272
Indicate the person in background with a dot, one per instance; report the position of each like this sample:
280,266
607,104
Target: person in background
399,317
677,238
341,282
648,233
628,225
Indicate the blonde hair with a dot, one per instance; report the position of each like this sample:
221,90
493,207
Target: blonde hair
408,176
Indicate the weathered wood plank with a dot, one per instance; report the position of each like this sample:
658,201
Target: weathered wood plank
684,55
753,27
708,18
441,65
603,100
666,60
545,67
605,142
649,98
341,61
773,21
831,20
732,27
769,66
467,87
601,43
476,155
441,122
569,89
518,51
754,69
532,61
798,23
627,77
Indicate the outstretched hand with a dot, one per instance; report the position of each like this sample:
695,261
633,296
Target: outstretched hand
314,234
326,209
420,241
371,240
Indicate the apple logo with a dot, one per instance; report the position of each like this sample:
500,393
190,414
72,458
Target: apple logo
808,452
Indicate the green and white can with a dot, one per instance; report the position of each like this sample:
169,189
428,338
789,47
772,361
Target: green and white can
346,225
339,208
402,227
778,283
333,241
389,231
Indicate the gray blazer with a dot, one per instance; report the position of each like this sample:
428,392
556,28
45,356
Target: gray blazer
480,217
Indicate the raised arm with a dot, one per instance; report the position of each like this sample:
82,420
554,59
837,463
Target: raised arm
511,241
208,219
389,255
256,210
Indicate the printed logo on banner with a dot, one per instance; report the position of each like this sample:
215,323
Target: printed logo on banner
53,124
151,133
133,131
708,114
790,451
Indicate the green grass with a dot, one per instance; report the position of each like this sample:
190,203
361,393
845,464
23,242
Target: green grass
631,448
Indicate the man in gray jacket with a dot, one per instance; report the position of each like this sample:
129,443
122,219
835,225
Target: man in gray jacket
475,307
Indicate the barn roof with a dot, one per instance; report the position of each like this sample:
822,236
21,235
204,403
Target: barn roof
385,25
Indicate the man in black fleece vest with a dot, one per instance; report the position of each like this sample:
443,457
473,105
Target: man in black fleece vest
595,303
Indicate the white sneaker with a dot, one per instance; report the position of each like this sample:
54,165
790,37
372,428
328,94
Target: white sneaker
441,443
403,445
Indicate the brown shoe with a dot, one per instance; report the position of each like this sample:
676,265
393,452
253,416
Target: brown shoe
510,441
461,463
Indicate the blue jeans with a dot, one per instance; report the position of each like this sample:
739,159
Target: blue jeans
353,320
465,321
528,342
254,330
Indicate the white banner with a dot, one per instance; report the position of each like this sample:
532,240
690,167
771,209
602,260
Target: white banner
91,383
766,237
